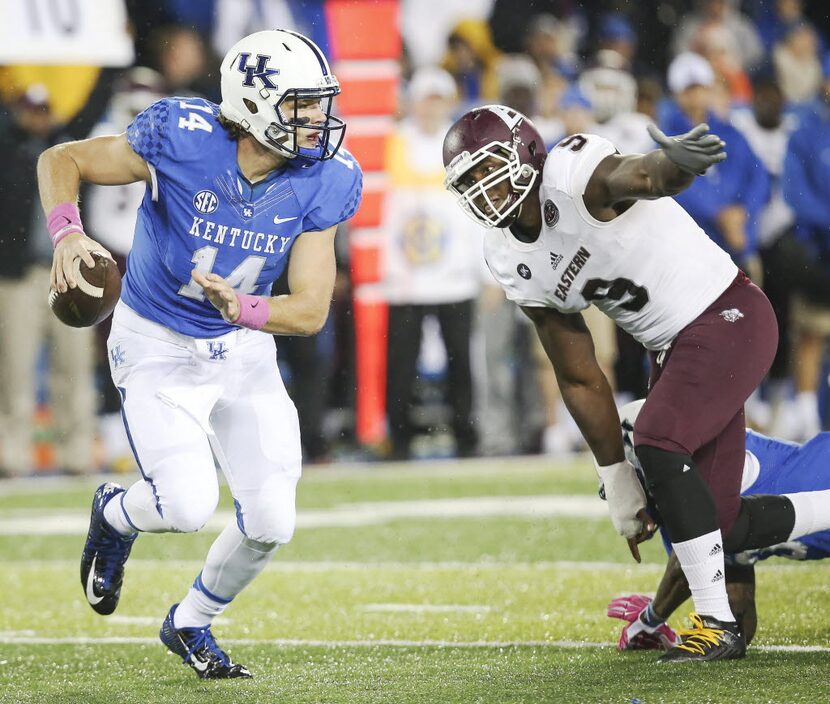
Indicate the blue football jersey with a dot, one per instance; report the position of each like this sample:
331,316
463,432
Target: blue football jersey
201,213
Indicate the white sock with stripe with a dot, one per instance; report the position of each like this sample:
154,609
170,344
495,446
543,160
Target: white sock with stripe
812,512
702,561
232,563
116,516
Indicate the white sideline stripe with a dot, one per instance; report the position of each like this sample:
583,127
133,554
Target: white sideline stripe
427,608
40,522
380,642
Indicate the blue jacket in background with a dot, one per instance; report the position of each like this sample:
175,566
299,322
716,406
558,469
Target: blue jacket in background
741,179
806,180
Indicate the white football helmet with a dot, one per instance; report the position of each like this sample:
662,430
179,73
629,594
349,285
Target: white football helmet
264,70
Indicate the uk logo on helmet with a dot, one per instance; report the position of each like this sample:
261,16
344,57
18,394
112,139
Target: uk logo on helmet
260,71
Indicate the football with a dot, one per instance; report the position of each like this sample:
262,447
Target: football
95,296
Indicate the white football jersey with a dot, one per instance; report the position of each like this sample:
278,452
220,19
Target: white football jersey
651,269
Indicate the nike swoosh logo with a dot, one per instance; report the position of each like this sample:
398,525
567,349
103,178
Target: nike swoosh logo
254,304
91,597
198,664
278,220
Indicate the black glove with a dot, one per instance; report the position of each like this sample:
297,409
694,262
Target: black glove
693,152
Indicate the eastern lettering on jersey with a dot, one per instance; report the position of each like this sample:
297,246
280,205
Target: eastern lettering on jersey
571,272
524,271
551,213
205,202
555,260
260,70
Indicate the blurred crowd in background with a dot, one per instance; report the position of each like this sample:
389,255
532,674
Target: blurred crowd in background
465,373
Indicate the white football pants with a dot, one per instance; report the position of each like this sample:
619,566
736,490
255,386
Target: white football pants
192,404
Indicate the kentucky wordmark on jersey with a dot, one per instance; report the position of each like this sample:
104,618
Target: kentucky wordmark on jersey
651,269
200,213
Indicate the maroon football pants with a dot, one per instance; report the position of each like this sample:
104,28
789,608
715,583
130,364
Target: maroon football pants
698,386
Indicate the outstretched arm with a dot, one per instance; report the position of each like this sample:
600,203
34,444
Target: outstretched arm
663,172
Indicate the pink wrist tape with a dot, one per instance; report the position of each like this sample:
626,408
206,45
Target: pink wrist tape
62,221
253,311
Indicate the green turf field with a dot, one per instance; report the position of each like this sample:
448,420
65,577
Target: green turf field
475,581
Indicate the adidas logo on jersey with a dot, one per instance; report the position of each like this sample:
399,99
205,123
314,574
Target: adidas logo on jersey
717,550
555,259
718,577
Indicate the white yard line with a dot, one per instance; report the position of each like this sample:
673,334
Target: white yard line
372,643
427,608
49,522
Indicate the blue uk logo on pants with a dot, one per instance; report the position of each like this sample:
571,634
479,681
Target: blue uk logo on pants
217,350
118,356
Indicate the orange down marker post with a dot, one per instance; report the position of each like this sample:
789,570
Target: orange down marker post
365,47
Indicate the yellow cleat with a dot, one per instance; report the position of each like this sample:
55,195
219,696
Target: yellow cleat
708,639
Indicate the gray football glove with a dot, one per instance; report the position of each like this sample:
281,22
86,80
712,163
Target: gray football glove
693,152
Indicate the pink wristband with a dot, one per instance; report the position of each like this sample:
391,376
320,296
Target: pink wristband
62,221
253,311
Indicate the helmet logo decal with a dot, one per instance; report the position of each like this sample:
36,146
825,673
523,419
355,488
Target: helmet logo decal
511,118
260,71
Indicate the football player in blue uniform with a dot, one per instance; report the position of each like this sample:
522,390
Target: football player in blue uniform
771,467
236,193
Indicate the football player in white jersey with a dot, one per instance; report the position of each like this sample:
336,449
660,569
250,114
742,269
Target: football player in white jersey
584,225
234,195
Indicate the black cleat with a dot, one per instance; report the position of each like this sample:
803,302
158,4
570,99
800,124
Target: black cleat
709,639
104,555
198,648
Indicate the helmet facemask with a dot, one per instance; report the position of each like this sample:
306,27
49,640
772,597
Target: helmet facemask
476,199
282,135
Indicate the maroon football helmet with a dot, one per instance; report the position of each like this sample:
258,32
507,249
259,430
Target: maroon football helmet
516,152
